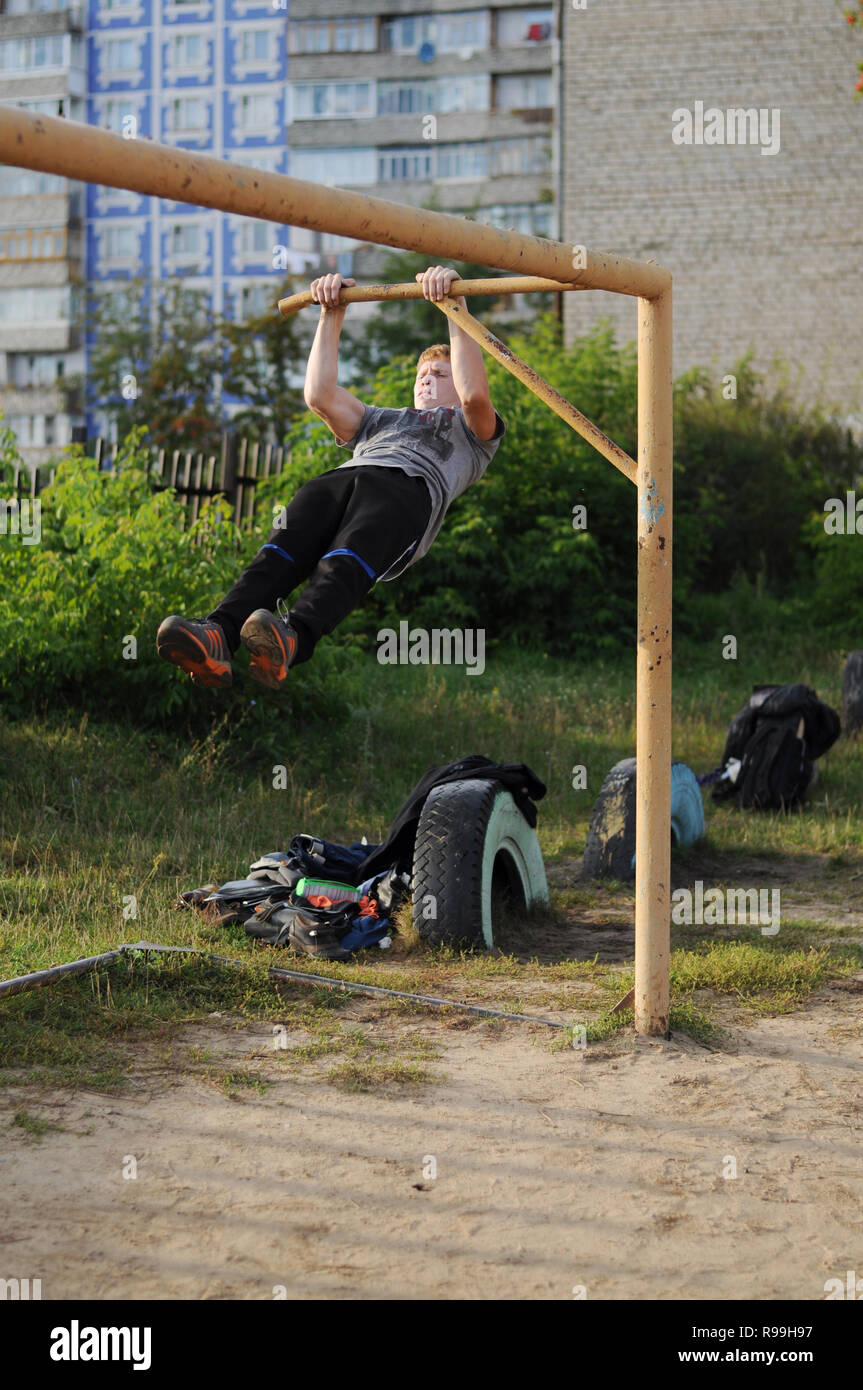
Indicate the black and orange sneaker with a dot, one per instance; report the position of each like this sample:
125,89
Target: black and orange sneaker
198,647
272,643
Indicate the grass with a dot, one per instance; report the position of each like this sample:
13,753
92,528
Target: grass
33,1125
104,825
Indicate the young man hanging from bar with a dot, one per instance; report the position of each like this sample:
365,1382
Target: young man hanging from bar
361,523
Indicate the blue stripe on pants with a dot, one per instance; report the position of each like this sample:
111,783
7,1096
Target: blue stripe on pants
270,546
368,569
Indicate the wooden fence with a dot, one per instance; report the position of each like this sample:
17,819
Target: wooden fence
234,473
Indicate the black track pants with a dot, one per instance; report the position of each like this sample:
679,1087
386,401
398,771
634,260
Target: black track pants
342,531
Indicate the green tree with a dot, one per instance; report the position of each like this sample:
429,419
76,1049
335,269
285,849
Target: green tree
260,365
154,361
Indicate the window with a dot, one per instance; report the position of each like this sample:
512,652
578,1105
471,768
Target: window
522,155
43,304
311,101
187,50
462,161
119,55
405,98
115,112
21,427
23,183
255,300
22,55
442,95
352,35
468,30
469,160
34,6
33,370
32,243
531,219
54,106
186,239
456,161
408,34
525,26
255,111
357,165
188,115
119,244
257,238
462,93
255,46
446,33
414,163
520,92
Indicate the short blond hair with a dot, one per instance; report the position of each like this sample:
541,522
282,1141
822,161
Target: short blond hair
430,353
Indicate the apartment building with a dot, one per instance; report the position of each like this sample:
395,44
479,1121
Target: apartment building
434,100
442,101
42,67
205,75
756,213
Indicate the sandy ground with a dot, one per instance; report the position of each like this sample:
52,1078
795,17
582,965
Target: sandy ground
598,1170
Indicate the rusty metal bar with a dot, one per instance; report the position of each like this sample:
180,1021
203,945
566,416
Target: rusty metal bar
275,972
58,146
362,294
38,978
653,668
539,386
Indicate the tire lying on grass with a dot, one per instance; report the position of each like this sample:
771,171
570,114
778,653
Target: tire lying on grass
474,853
610,848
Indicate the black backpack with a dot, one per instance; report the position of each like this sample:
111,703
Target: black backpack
772,746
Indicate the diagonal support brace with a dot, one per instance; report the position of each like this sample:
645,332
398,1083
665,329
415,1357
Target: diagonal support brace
539,386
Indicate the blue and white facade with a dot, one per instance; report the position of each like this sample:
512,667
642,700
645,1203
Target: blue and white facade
205,75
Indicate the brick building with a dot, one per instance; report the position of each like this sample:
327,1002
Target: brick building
765,248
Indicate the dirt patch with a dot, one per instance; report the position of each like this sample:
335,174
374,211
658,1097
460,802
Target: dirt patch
521,1173
597,918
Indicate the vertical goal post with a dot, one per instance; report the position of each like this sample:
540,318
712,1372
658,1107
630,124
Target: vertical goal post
51,144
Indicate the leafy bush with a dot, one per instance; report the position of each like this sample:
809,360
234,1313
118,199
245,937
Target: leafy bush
80,610
750,476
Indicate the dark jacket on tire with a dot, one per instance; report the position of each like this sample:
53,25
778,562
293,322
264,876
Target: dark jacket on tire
397,849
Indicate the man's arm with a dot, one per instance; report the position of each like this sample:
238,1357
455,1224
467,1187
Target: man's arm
466,358
340,411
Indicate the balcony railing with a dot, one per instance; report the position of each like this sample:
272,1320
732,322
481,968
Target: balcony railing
34,244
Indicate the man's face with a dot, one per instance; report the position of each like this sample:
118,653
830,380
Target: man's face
434,385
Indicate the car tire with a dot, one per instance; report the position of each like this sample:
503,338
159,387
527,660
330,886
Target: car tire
473,850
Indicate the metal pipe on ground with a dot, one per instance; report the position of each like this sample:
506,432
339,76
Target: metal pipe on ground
76,967
57,972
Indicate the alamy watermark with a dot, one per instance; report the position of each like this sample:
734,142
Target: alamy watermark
844,516
437,646
738,125
731,906
21,517
77,1343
